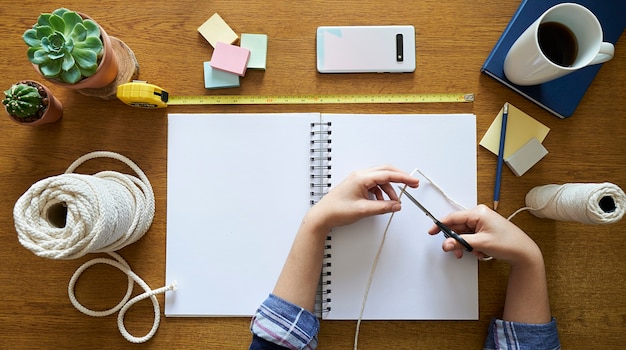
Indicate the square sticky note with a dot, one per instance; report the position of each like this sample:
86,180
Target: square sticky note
524,158
257,44
215,79
215,29
520,128
230,58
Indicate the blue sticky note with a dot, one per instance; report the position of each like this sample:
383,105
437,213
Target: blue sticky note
257,44
216,79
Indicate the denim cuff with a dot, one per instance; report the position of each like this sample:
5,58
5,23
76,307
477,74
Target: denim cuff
515,335
283,323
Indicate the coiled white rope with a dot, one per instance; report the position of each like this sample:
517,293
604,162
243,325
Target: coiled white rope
70,215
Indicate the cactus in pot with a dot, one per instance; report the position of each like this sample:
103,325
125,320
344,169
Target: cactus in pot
64,46
29,102
23,100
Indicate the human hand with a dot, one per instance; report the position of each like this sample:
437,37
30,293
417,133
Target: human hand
489,234
351,199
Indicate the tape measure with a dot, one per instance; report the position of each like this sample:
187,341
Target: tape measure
142,94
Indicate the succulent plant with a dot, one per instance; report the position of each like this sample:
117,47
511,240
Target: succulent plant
64,45
23,100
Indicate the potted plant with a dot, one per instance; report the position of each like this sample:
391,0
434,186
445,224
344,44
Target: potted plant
31,103
72,50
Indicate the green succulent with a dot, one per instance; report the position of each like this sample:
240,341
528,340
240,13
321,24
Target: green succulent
23,100
64,45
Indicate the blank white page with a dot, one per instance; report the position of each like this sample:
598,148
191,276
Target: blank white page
237,189
414,278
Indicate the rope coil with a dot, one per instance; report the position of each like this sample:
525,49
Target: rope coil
70,215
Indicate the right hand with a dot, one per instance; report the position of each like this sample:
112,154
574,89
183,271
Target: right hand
489,234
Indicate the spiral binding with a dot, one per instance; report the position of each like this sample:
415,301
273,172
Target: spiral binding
320,169
320,160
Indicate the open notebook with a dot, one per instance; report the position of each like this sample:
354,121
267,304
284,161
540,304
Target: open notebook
239,185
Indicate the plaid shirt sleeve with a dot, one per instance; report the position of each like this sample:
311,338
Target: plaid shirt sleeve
505,335
279,324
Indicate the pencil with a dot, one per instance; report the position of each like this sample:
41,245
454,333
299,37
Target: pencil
496,188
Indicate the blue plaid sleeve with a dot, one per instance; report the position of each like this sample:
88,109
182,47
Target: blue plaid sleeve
284,324
505,335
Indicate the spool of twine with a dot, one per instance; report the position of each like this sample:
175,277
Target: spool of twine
70,215
589,203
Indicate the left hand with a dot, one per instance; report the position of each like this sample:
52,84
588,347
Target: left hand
351,200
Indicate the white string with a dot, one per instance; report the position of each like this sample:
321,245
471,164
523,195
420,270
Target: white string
370,278
380,248
70,215
443,193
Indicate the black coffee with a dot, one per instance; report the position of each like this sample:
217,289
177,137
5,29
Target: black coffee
558,43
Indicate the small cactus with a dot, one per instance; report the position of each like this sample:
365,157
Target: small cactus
23,100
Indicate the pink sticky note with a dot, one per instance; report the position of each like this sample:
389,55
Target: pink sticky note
230,58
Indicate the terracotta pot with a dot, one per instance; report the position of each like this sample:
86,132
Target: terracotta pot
53,109
106,72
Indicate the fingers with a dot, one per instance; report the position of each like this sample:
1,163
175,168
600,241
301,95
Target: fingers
386,174
378,180
470,220
391,193
378,194
451,245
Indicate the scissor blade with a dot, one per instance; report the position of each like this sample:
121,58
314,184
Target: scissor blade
419,205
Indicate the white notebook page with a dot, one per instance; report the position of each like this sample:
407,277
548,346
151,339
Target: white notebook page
237,190
414,278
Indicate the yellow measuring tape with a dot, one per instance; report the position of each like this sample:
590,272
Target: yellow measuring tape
142,94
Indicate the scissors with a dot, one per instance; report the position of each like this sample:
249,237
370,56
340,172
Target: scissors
447,232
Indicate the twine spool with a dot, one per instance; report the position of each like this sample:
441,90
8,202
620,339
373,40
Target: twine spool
70,215
588,203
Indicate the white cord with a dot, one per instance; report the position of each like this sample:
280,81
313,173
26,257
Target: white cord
125,303
70,215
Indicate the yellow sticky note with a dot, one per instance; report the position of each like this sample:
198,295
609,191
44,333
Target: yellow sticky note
215,29
520,128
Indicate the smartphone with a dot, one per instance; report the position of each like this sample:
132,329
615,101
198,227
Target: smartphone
366,49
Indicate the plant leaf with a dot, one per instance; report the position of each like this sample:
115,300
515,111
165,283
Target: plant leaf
71,76
79,33
50,69
37,55
91,43
30,38
56,55
60,11
57,24
72,19
68,62
44,32
85,58
92,28
87,72
43,20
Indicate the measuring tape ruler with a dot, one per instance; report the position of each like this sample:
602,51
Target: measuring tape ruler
316,99
142,94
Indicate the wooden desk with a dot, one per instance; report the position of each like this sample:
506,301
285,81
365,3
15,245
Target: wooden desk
585,264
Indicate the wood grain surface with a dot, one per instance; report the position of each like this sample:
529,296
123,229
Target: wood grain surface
585,263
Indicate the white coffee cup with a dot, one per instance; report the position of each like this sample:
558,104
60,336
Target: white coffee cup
563,39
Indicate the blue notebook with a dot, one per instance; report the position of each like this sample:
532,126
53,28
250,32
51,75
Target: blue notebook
560,96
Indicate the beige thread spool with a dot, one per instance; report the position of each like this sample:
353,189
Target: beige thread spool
589,203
